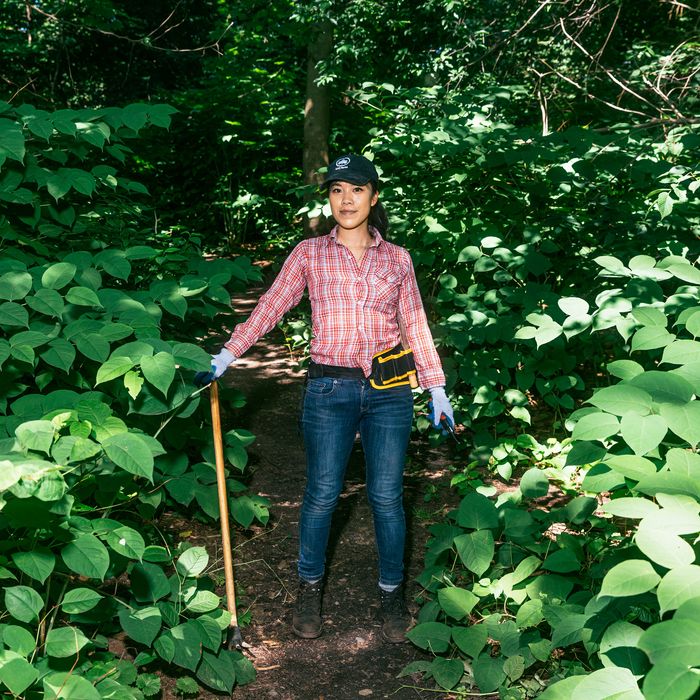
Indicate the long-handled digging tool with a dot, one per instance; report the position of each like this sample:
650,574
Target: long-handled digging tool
233,637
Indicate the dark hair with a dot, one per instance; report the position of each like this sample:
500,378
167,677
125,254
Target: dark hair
378,217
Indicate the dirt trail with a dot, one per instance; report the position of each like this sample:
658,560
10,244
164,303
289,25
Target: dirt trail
349,660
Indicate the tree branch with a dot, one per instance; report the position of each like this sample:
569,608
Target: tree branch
142,41
605,70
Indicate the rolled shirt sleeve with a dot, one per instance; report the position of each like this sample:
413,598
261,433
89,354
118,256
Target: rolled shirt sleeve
417,332
286,292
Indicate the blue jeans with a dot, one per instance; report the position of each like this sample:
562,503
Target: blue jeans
333,411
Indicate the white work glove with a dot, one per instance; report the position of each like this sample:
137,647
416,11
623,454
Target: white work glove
219,364
440,409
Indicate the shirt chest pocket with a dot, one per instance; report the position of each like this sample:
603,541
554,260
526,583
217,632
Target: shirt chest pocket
386,285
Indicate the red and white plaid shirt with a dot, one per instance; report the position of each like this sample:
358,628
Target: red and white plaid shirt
354,307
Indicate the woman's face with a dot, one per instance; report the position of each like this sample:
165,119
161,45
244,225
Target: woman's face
351,204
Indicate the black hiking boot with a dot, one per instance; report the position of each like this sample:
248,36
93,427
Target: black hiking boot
395,617
306,619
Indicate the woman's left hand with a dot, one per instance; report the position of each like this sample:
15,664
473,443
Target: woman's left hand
441,409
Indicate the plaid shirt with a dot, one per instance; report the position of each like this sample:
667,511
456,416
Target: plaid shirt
354,307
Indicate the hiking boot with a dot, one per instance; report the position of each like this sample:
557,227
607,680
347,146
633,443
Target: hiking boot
306,619
395,617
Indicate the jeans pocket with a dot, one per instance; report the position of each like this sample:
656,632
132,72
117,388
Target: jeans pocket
321,386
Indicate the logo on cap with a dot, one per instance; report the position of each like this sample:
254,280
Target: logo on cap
342,162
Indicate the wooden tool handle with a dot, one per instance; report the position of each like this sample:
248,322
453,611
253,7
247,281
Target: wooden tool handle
223,503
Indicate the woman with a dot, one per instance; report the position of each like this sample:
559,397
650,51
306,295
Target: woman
363,296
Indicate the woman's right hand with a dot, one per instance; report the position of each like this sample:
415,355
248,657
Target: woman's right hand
219,364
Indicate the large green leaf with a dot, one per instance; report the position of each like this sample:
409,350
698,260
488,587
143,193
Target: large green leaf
130,452
663,547
82,296
681,352
181,645
23,603
47,301
622,399
668,482
447,672
65,641
629,578
643,433
632,466
606,684
217,672
10,474
80,600
457,602
630,507
685,462
470,640
86,556
15,285
674,641
651,337
489,673
60,353
202,601
476,550
664,387
684,420
192,562
18,639
11,141
16,673
149,583
13,314
677,586
159,370
93,346
187,355
477,512
114,263
618,647
142,625
534,483
113,368
671,679
127,542
37,564
596,426
58,275
433,636
36,435
66,685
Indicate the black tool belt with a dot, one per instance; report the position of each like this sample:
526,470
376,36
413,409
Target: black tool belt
316,370
393,367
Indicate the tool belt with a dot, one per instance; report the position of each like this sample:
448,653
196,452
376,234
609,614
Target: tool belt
393,367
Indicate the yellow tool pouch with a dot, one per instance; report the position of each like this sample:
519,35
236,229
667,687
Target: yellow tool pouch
393,367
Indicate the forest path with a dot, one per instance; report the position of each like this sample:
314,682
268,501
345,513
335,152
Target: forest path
349,660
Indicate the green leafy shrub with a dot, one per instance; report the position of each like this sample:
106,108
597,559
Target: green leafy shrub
503,222
100,426
608,575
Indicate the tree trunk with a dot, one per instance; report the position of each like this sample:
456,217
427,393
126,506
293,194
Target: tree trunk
316,114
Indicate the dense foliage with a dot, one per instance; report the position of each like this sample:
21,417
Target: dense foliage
540,161
101,425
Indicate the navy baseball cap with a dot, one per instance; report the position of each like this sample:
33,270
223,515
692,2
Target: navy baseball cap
351,168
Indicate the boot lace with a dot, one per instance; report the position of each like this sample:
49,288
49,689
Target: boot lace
392,602
308,598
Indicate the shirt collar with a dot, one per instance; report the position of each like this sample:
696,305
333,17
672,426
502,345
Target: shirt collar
376,236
